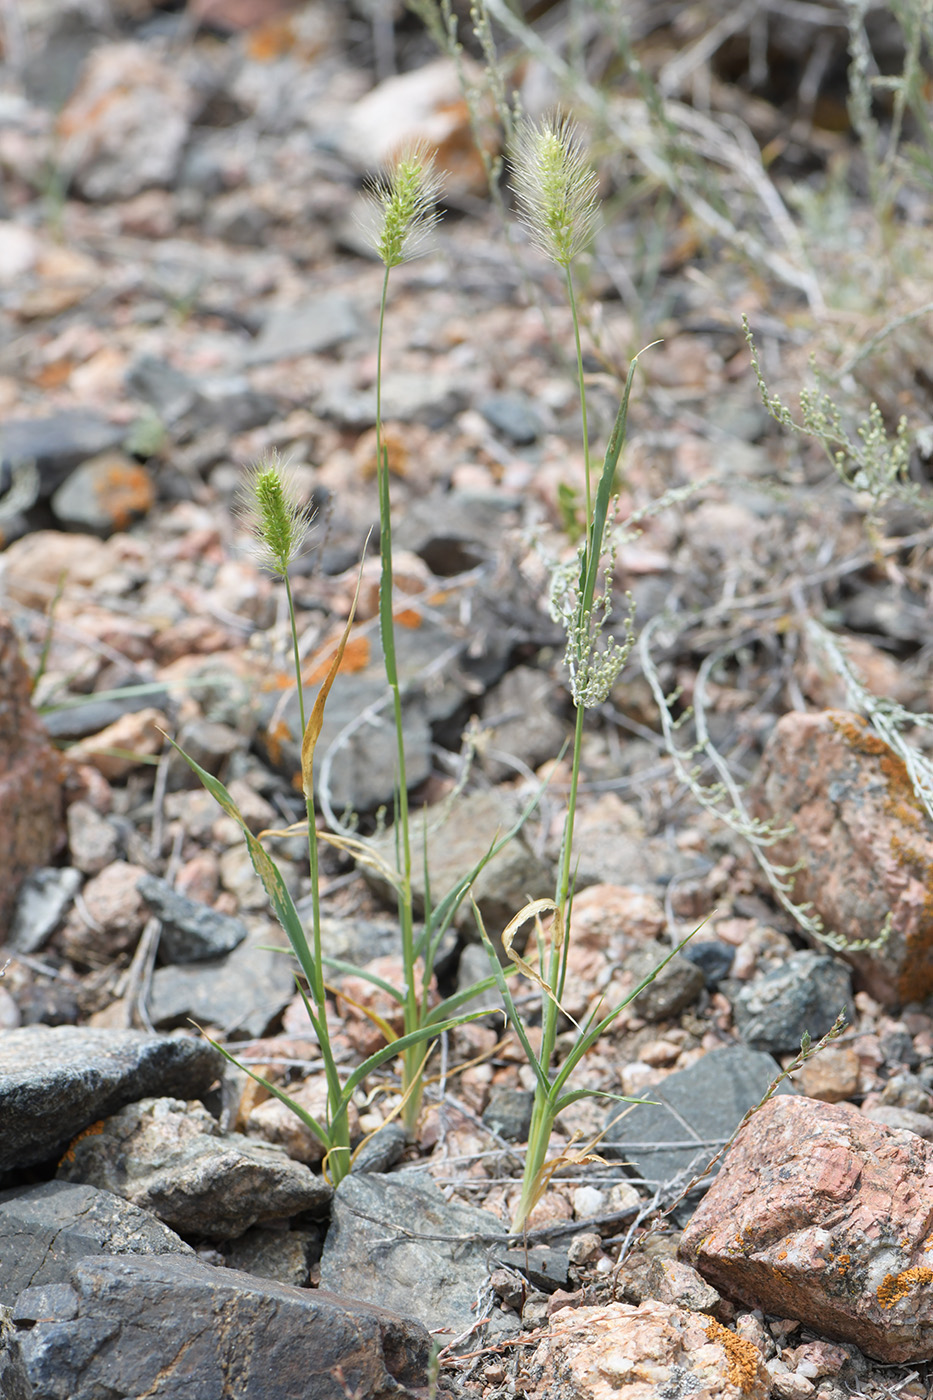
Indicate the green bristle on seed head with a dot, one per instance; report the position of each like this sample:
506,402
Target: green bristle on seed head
556,187
403,205
274,515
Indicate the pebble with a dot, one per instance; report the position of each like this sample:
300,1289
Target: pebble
105,494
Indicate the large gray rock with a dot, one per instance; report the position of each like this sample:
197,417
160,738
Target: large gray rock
394,1237
246,990
806,993
175,1160
57,1080
177,1329
696,1110
46,1229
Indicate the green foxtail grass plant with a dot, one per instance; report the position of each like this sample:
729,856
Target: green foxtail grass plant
556,190
279,526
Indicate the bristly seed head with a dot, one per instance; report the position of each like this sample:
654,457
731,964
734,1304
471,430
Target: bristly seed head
272,512
556,187
402,203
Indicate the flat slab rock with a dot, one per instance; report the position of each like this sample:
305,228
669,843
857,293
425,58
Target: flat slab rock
820,1214
174,1328
619,1352
173,1159
861,845
45,1229
57,1080
396,1237
699,1107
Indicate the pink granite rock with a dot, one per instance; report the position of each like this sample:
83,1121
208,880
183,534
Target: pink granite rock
819,1214
30,780
863,841
620,1352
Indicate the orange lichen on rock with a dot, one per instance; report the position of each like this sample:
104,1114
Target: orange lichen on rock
124,489
93,1131
356,657
897,1286
744,1358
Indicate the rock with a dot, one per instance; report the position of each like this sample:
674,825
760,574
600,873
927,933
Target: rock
806,994
707,1102
356,752
178,1328
831,1075
822,1215
519,723
610,847
904,1118
673,1281
453,532
620,1352
105,494
92,716
190,405
433,399
381,1152
862,843
46,1229
56,1081
56,444
422,105
512,415
714,959
907,1091
309,328
389,1239
125,126
282,1255
173,1159
676,986
244,991
30,780
93,841
508,1113
616,918
275,1122
455,845
44,899
109,918
124,745
191,932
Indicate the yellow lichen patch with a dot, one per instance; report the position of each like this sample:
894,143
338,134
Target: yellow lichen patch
897,1286
93,1131
744,1358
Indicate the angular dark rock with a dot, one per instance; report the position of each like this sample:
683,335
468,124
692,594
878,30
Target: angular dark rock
191,932
703,1104
513,415
807,993
397,1237
57,1080
244,991
309,328
44,898
46,1229
56,444
180,1329
173,1159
